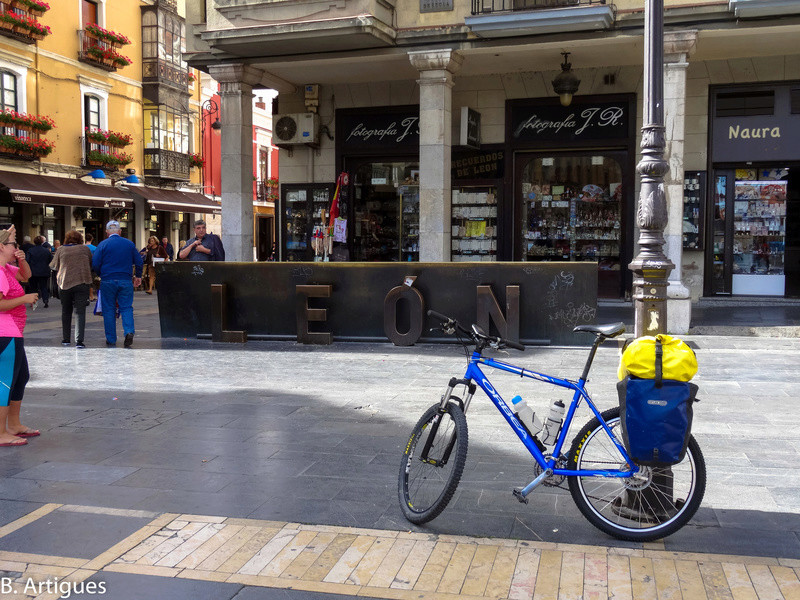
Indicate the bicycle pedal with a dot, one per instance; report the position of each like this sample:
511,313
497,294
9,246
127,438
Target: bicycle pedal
517,492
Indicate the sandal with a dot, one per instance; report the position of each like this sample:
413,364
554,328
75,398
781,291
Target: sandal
19,443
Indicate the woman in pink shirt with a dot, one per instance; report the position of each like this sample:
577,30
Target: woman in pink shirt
13,362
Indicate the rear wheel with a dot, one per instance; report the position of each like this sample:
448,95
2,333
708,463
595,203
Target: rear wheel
433,462
652,504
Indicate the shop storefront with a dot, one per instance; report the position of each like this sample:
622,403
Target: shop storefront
753,192
379,149
171,210
572,181
559,189
51,205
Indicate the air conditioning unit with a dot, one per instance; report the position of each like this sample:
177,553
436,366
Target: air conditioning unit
298,128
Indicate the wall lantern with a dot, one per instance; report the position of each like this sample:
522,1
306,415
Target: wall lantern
566,84
176,225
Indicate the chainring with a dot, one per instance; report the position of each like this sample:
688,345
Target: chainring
553,480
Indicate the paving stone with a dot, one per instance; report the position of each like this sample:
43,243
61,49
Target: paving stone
71,534
76,472
229,503
125,586
732,540
170,479
11,510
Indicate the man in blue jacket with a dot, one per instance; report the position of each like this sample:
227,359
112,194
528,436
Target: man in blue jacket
113,260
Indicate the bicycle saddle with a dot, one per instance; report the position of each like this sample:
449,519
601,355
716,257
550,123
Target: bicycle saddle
609,331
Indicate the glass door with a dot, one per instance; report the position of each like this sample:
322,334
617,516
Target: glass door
748,232
721,231
296,223
759,242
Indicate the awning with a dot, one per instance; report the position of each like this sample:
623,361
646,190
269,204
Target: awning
175,201
27,188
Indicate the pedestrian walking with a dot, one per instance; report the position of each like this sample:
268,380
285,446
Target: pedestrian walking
38,259
73,265
168,248
149,252
114,259
89,244
204,246
27,244
13,361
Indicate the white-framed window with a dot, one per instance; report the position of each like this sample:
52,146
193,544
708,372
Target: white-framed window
8,91
12,86
94,111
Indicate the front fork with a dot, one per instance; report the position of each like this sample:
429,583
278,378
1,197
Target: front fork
471,387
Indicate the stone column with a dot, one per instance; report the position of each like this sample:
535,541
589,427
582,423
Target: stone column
236,115
436,69
678,46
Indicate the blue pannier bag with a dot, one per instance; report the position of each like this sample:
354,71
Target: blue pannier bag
656,417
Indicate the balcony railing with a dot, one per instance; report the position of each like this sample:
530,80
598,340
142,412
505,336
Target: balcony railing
13,25
100,52
160,71
166,164
108,157
483,7
19,143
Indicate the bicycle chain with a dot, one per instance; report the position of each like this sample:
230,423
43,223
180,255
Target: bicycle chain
562,485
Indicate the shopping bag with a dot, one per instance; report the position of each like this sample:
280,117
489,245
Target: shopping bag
98,308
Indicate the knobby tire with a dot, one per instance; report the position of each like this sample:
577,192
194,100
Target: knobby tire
425,489
633,509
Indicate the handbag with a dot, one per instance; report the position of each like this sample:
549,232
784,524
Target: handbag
656,416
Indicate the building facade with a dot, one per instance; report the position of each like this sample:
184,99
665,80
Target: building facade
457,147
264,164
99,119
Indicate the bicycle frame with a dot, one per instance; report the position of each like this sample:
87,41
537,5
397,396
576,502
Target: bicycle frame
474,374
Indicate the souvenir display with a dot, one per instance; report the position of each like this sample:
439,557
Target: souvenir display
759,227
474,225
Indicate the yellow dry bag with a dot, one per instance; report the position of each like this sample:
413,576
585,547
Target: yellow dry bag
639,359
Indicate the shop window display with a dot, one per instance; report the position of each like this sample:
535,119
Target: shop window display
571,212
759,231
474,225
386,212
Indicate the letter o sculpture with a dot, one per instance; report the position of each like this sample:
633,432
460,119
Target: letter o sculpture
417,308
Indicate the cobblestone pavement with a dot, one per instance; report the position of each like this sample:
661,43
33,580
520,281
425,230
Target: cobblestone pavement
222,471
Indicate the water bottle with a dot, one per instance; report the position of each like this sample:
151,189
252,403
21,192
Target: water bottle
549,432
525,414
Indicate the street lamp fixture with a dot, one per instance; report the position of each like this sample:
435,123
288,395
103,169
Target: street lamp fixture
566,83
209,109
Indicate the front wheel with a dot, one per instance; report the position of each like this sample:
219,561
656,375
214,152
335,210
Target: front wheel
433,462
653,503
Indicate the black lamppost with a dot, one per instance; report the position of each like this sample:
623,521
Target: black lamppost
209,109
651,267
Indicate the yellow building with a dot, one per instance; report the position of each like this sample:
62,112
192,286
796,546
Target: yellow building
122,110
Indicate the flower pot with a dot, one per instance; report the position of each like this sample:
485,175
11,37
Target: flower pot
22,29
6,25
36,35
36,12
96,163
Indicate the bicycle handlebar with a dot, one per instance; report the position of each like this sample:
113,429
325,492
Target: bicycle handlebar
450,322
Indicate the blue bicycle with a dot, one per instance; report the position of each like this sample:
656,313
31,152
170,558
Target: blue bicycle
625,500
